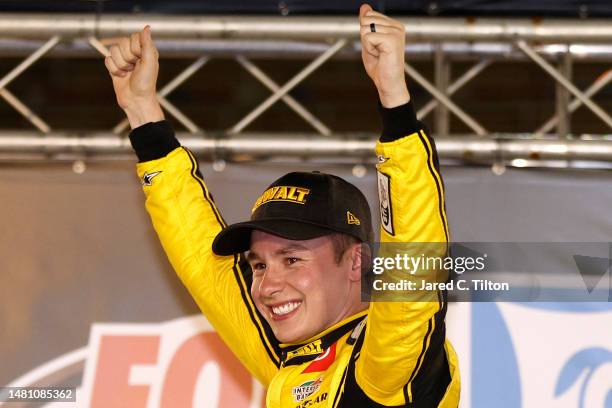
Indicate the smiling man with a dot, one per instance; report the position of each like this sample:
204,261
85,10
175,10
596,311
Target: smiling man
304,252
291,309
299,288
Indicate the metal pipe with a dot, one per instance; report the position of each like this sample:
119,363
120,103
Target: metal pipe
563,98
443,99
166,104
466,148
169,87
183,76
26,63
441,79
292,83
466,77
288,99
24,111
194,48
32,25
18,70
595,87
597,110
182,118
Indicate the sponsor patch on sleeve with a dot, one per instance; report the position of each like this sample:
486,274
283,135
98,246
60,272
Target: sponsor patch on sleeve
147,178
384,197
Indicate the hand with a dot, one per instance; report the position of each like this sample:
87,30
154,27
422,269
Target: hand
383,55
133,66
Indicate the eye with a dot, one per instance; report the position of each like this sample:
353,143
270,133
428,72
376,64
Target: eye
259,266
292,260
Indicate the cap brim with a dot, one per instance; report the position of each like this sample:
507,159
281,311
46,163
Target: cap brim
236,238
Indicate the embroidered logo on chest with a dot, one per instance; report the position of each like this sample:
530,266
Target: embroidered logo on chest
305,390
307,350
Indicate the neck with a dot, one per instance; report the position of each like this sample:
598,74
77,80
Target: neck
353,303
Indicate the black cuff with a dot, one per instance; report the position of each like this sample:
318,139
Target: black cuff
398,122
153,140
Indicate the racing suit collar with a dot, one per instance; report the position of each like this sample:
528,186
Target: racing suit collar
298,353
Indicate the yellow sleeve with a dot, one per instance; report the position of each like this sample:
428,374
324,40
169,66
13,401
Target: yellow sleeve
404,341
186,221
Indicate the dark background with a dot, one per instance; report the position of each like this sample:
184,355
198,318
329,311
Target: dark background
561,8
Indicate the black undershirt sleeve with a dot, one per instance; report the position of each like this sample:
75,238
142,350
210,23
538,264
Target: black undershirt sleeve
153,140
398,122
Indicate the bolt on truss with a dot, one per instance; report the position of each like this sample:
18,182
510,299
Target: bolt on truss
322,38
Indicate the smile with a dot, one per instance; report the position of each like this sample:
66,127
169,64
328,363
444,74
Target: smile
284,310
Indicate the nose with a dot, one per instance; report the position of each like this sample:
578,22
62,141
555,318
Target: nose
271,283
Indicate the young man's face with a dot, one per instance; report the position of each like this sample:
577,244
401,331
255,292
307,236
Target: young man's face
299,287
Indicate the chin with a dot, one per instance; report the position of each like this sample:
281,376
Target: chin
284,336
291,334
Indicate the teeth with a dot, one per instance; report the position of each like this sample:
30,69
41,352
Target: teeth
286,308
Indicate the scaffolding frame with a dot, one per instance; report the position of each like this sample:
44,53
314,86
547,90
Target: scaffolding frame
483,41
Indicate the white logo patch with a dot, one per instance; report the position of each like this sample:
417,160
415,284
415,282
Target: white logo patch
305,390
381,159
148,177
384,197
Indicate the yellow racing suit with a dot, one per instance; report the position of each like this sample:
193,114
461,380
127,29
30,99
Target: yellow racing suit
392,354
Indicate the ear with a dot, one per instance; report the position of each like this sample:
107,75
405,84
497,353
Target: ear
355,253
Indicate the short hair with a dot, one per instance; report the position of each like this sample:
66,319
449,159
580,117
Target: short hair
341,243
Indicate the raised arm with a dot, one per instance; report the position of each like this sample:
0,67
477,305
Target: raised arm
404,358
183,212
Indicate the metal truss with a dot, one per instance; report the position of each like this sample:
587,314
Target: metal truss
544,43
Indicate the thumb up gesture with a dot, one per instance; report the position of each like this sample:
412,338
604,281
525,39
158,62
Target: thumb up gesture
133,66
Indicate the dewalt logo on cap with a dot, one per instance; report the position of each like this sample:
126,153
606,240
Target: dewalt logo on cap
290,194
323,203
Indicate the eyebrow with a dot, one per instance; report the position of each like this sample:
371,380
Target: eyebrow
291,248
252,255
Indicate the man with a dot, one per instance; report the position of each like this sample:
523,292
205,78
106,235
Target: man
291,309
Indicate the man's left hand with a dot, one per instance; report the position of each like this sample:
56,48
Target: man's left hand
382,52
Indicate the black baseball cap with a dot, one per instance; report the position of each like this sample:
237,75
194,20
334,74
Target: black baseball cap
301,206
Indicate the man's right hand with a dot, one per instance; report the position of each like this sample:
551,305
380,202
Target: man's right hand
133,66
